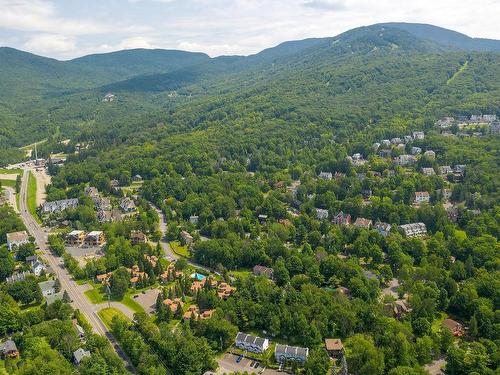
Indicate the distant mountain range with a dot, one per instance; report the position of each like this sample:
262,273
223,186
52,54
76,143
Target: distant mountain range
39,95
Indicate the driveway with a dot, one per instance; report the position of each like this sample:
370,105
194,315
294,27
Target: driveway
227,364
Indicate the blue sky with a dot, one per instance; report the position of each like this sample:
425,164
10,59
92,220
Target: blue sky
69,28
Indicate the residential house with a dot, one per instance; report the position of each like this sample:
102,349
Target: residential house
376,146
334,347
224,290
188,239
137,178
9,349
428,171
59,206
385,153
174,304
414,229
361,222
396,140
251,343
263,271
366,193
15,239
422,197
382,228
18,276
459,168
127,205
321,214
95,238
416,150
37,267
137,237
104,216
386,143
446,193
326,175
342,219
104,278
191,313
75,238
404,160
445,122
79,330
430,154
114,183
418,135
454,327
284,353
407,138
446,170
109,97
79,355
103,204
193,219
397,308
48,287
345,291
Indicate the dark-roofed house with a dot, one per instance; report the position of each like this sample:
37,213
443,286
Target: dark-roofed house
382,228
136,237
79,354
263,271
251,343
334,347
284,353
9,349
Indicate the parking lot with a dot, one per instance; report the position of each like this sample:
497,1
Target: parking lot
228,364
84,254
147,300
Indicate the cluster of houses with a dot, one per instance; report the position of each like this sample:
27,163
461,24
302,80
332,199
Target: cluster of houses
286,353
94,238
384,147
193,313
105,211
487,121
59,206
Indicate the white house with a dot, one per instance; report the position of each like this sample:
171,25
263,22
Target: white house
422,197
414,229
321,214
418,135
48,287
58,206
17,239
127,205
37,267
405,159
284,353
79,355
326,175
428,171
416,150
251,343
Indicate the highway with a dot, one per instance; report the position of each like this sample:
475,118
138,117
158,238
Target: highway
75,291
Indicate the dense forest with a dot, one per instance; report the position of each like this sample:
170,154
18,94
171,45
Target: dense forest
234,152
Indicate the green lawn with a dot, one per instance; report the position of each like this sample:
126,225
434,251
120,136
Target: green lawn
95,296
108,313
11,171
8,183
241,274
179,250
32,197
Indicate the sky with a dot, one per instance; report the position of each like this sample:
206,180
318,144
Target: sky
65,29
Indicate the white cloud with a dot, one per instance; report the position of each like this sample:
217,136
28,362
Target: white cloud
216,26
50,43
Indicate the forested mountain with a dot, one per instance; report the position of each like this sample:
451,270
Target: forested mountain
449,38
310,160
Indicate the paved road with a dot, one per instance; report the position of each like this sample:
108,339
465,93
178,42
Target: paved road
74,290
169,254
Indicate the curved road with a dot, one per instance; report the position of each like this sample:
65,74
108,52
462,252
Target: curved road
75,291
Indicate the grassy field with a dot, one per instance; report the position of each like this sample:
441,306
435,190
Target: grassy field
108,313
32,197
96,296
179,250
11,171
8,183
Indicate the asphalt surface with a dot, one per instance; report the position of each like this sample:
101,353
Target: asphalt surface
75,291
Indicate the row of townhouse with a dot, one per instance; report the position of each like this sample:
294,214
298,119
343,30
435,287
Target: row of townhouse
79,237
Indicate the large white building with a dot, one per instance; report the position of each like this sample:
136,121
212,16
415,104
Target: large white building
284,353
414,229
17,239
58,206
251,343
